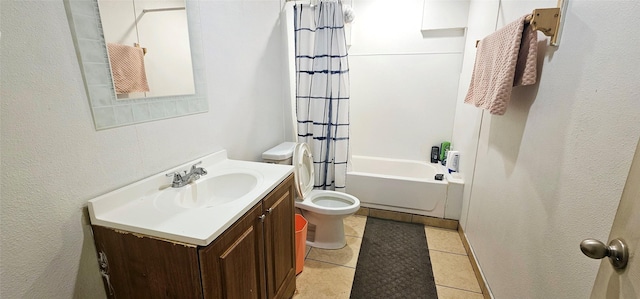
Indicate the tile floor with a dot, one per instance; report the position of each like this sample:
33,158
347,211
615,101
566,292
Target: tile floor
329,273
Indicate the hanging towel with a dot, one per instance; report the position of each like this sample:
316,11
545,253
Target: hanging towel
127,68
504,59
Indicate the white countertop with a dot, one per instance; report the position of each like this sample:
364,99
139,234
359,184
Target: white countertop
132,207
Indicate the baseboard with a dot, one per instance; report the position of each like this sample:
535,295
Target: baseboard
474,264
407,217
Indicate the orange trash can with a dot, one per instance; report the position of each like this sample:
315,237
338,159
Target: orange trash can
301,242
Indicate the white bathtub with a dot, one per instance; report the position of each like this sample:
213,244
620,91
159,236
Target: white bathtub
404,186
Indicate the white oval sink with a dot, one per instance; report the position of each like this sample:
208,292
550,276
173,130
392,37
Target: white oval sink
227,187
194,214
172,199
207,192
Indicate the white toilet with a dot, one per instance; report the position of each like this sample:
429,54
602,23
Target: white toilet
323,209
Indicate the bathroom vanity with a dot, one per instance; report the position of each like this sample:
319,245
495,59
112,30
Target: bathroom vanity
230,234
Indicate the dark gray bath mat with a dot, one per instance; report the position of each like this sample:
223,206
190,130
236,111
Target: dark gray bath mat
393,262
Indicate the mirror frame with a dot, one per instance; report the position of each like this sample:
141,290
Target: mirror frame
109,112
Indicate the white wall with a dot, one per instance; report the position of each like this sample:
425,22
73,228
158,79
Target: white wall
550,172
53,160
403,83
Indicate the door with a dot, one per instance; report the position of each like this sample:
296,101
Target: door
624,283
233,265
279,235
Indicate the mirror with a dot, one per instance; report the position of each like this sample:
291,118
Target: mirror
148,47
108,111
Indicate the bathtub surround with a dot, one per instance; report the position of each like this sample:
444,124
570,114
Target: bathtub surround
403,83
393,262
322,90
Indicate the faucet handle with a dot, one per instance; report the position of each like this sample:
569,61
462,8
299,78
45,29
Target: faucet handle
177,177
198,170
194,165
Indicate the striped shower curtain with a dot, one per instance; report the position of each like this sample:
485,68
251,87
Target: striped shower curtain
322,90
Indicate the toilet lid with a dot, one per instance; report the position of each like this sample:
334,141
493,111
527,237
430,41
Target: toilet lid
303,169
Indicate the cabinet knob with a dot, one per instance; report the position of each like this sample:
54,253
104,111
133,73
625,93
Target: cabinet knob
261,217
269,210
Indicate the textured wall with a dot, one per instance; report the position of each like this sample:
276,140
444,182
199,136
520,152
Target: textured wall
53,160
550,172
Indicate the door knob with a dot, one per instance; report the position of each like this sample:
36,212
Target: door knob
617,251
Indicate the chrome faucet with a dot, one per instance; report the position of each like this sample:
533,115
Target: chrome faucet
184,178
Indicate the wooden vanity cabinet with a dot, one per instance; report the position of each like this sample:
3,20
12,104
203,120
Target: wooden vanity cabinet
254,258
232,266
279,236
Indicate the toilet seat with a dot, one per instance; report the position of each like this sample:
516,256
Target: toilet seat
329,202
319,201
303,169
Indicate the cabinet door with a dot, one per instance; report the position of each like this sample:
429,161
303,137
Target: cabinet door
280,241
143,267
233,265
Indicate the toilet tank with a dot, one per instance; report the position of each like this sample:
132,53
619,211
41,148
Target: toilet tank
280,154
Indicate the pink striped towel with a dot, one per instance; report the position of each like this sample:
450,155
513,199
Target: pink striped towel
127,68
504,59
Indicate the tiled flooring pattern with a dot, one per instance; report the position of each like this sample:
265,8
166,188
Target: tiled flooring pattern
329,273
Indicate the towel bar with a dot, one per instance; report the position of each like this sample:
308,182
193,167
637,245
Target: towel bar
546,20
144,50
